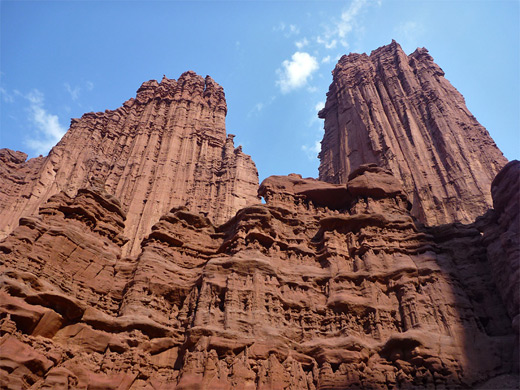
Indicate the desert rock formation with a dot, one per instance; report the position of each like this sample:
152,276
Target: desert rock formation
399,112
167,147
323,287
143,258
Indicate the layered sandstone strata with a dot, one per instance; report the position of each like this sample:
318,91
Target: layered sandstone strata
401,113
167,147
323,287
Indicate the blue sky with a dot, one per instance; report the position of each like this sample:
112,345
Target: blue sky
274,59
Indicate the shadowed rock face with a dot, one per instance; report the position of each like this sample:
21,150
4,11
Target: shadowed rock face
165,148
323,287
399,112
501,228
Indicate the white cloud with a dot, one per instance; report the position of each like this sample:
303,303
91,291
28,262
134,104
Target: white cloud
339,30
74,92
280,27
328,43
293,29
90,85
408,34
300,44
258,107
296,72
346,24
312,150
325,60
49,131
313,119
409,28
35,97
288,30
6,96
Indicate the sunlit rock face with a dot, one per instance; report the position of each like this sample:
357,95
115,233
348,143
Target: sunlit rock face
143,258
399,112
166,147
325,286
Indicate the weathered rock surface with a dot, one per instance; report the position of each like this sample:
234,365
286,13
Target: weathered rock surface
144,259
323,287
399,112
501,229
165,148
16,177
69,255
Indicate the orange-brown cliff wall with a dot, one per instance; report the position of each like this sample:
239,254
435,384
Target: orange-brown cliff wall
326,286
400,112
323,287
167,147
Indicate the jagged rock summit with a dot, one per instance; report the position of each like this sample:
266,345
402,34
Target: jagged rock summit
143,258
166,147
400,112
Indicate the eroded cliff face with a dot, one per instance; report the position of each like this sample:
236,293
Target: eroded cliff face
167,147
323,287
399,112
16,179
143,258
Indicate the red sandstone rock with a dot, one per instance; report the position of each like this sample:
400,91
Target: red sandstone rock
326,286
502,237
399,112
165,148
16,177
67,257
306,292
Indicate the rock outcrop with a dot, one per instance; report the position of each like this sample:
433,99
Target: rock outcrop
143,258
167,147
323,287
399,112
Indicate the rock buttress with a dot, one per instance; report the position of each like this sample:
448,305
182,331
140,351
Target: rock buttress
167,147
400,112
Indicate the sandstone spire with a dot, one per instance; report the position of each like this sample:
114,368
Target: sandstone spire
400,112
166,147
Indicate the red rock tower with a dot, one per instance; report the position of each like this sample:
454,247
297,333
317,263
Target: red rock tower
165,148
399,112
